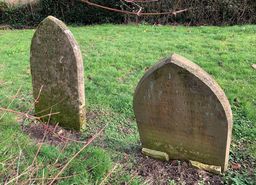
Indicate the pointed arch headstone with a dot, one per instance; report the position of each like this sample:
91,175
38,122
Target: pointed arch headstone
57,74
181,111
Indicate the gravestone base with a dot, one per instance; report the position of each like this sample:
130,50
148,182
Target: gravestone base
195,164
206,167
155,154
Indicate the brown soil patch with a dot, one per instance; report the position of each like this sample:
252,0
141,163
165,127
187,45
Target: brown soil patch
157,172
56,135
51,134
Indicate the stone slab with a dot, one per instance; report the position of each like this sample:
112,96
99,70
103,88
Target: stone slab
57,74
182,111
209,168
155,154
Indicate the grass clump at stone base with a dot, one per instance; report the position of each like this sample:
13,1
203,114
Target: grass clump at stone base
115,58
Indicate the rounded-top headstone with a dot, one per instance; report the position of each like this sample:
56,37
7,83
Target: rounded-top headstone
57,74
182,111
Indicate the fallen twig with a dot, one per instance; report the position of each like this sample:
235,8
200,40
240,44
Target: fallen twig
18,166
32,164
19,113
74,156
26,114
41,143
15,96
107,176
24,173
59,178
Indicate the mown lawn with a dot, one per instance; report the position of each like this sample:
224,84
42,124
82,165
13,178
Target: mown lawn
115,58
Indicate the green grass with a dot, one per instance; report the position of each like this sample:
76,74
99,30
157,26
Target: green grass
115,58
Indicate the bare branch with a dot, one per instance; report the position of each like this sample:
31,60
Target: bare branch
15,96
107,176
134,13
26,114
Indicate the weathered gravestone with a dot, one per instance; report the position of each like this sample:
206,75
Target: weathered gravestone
181,111
57,74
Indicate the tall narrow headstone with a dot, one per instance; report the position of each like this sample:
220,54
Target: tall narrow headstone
57,74
181,111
